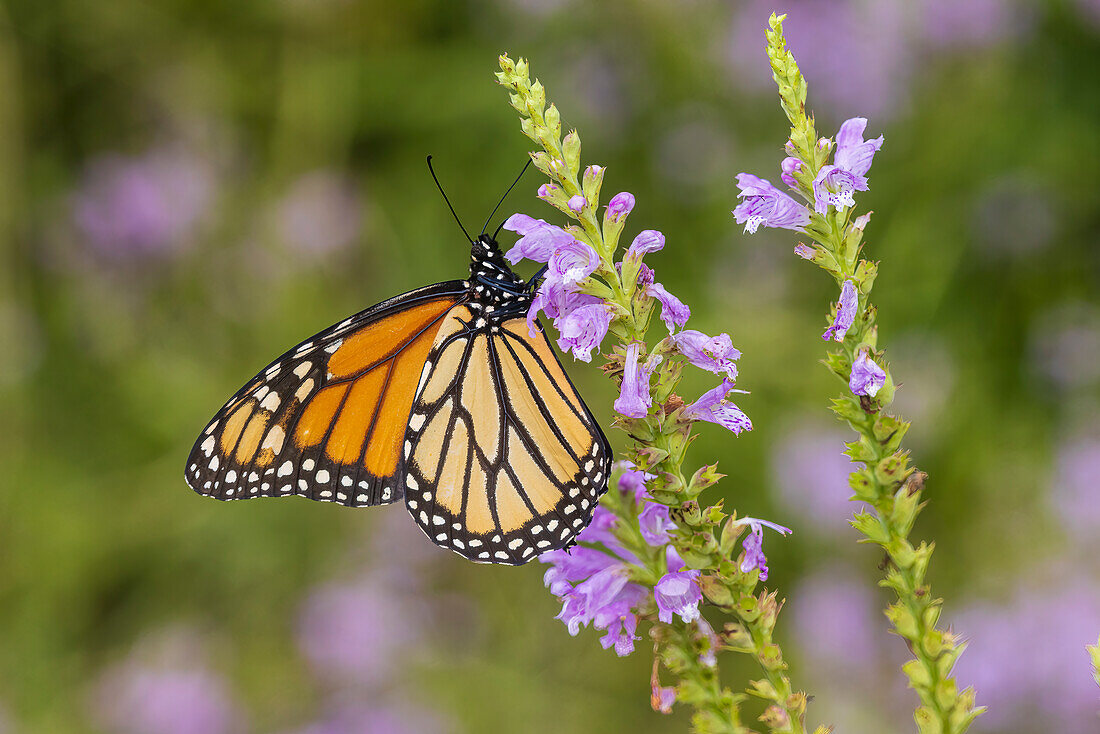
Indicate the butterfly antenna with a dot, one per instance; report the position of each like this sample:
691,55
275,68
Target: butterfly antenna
487,219
453,212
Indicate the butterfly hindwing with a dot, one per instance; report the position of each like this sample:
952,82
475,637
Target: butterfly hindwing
503,459
327,419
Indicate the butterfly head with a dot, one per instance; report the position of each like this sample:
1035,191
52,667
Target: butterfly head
491,278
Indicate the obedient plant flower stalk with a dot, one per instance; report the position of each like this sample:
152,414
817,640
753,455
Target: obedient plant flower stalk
653,552
824,176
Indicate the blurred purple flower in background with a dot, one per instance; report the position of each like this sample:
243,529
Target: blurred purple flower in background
169,696
1065,345
358,630
1090,9
1026,655
1076,491
146,205
811,474
320,213
378,718
856,55
837,622
970,24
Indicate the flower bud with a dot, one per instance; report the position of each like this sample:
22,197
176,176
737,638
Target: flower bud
804,251
620,205
576,204
542,162
553,120
571,151
591,183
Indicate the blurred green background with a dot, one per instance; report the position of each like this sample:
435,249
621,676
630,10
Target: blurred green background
189,187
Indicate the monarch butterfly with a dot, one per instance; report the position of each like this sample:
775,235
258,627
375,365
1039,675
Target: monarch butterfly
440,396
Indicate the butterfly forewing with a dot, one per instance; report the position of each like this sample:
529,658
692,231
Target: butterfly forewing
503,459
327,419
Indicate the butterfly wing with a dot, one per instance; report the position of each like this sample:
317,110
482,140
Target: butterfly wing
503,458
326,420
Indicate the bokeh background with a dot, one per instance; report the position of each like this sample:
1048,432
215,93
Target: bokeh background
187,188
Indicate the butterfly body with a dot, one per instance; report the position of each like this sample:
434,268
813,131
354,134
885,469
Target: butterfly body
440,396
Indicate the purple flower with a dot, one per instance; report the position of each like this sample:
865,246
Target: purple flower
632,482
845,313
538,239
712,353
620,205
655,524
136,699
836,184
754,545
148,205
583,329
634,399
647,241
357,630
572,566
673,311
713,407
571,263
790,166
557,303
867,377
320,213
763,204
853,153
803,251
677,592
618,620
662,698
577,204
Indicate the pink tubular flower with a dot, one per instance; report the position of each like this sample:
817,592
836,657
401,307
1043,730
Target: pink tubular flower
649,240
632,481
673,311
677,592
712,353
662,698
754,545
557,303
790,166
655,524
763,204
845,313
571,263
804,251
583,329
577,204
620,205
714,408
634,399
538,239
867,377
836,184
